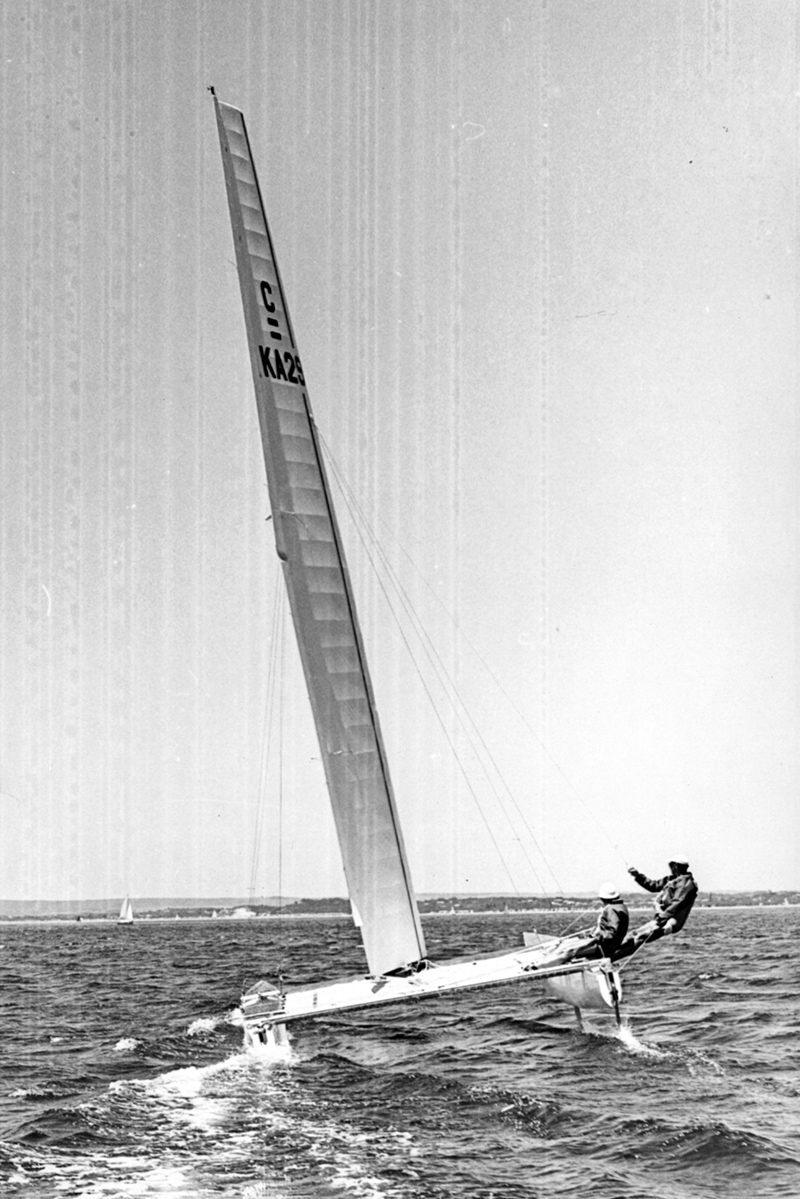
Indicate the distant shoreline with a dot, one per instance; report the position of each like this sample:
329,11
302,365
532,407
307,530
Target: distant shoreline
147,918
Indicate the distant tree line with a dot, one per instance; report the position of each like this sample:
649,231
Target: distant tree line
439,905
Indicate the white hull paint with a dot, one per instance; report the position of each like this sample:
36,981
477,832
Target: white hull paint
586,988
586,984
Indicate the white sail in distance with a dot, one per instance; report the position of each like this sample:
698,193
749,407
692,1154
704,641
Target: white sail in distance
320,595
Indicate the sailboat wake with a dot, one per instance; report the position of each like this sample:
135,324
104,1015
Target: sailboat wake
271,1053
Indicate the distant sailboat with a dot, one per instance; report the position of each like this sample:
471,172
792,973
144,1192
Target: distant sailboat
125,912
323,610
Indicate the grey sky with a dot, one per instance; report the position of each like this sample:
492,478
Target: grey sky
542,267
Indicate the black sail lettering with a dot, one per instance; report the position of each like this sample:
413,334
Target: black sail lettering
266,362
280,373
289,360
266,292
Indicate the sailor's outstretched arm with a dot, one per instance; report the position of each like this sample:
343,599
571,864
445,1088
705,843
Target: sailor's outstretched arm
649,884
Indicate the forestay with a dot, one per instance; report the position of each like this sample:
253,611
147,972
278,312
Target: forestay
320,596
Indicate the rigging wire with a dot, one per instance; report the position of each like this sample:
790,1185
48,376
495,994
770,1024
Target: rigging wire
282,929
273,716
274,681
463,716
430,696
554,762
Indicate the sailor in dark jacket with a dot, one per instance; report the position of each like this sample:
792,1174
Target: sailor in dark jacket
612,925
677,893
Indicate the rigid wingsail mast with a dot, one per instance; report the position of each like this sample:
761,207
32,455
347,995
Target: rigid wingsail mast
320,595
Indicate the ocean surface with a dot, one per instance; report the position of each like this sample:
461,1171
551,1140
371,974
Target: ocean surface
123,1071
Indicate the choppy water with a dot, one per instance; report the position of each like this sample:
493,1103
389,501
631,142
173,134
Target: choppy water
123,1073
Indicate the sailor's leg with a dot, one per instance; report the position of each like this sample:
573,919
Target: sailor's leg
590,950
570,952
625,950
646,935
579,1019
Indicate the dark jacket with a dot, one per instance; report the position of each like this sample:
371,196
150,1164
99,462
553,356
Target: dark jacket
612,925
677,894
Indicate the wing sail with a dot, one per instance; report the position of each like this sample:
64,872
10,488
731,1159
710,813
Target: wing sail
320,595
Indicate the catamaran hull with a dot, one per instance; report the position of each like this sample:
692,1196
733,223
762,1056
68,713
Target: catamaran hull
593,985
596,989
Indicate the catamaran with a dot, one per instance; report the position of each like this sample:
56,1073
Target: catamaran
323,608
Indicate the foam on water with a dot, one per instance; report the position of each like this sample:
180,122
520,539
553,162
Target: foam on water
626,1036
700,1063
179,1094
160,1180
100,1176
204,1024
175,1106
246,1090
126,1044
270,1054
